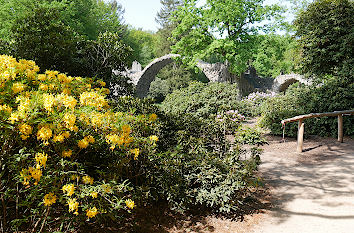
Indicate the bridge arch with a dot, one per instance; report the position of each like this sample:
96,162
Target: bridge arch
147,75
282,82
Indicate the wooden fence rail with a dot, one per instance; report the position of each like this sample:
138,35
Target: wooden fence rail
301,124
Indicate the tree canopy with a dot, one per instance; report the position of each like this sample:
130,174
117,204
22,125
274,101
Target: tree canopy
326,35
222,28
275,54
86,17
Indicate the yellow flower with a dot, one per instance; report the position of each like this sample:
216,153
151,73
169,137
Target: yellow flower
66,91
83,143
126,129
14,117
103,84
58,138
25,129
90,139
48,102
64,79
18,87
41,159
87,180
24,105
73,205
153,117
154,138
67,153
49,199
92,99
114,139
42,77
96,120
66,100
43,87
66,134
130,204
92,212
68,189
44,133
135,152
75,177
94,194
69,120
106,188
5,108
36,173
25,174
51,74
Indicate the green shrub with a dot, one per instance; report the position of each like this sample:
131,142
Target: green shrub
70,155
254,101
42,37
193,164
250,136
204,100
333,94
60,140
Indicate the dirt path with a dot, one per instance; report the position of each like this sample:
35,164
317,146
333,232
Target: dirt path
312,191
304,193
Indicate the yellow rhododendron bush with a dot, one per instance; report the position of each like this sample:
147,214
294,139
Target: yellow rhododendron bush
59,138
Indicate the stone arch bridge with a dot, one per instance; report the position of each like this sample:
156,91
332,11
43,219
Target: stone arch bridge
215,72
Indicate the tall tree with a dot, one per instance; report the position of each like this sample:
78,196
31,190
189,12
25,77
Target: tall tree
275,54
87,18
143,44
326,35
222,28
167,25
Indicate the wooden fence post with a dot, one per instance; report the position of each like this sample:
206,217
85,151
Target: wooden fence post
340,128
300,136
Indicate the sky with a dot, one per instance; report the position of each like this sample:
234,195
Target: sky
142,13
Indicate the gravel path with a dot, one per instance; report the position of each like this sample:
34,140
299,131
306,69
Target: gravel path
312,191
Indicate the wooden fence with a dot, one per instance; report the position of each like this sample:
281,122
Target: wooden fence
301,124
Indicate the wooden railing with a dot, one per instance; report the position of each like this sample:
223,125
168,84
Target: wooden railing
301,124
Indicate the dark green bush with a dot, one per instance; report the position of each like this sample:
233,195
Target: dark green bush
333,94
204,100
250,136
42,37
193,165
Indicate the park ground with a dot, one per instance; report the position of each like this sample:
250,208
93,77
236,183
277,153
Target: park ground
305,192
308,192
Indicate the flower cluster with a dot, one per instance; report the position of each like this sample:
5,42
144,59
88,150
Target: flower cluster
256,97
230,120
60,118
231,115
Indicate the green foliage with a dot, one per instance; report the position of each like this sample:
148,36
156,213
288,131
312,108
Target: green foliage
42,37
193,165
103,55
203,100
250,136
143,44
275,55
167,25
173,77
326,35
203,179
86,17
254,101
234,23
60,138
333,94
